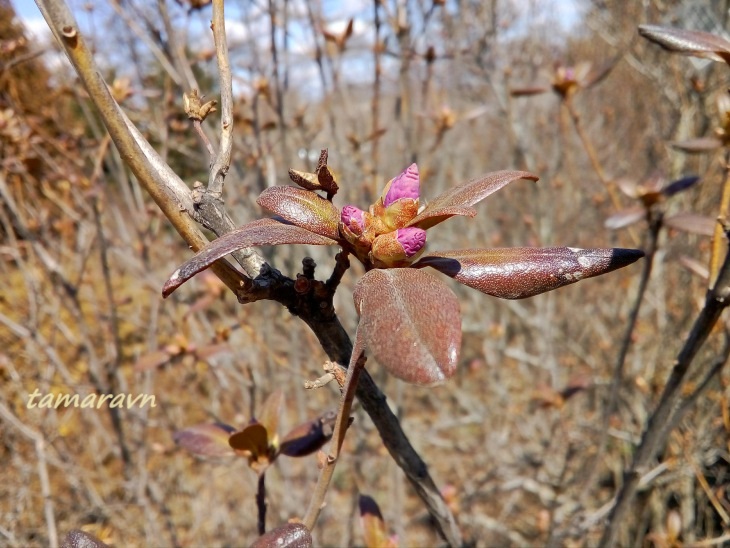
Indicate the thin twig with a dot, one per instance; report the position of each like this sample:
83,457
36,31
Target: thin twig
40,450
338,437
660,422
261,503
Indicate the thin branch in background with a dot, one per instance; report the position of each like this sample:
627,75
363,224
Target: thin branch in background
661,420
40,450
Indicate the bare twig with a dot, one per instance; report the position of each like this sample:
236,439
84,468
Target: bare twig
661,421
343,419
40,450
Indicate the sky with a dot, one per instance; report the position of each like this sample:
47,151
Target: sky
335,12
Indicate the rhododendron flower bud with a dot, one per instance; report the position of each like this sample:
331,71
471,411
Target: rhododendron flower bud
398,248
399,202
405,185
353,218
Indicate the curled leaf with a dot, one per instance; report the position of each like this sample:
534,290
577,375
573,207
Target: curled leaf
290,535
206,440
688,42
625,217
253,442
519,272
256,233
457,200
374,532
411,324
308,437
302,208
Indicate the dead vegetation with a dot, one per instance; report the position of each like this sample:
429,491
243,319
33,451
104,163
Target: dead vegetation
520,441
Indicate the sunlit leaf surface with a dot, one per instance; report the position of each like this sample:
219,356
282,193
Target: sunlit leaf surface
519,272
688,42
457,200
290,535
410,323
256,233
302,208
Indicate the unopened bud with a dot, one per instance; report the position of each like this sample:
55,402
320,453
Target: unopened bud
398,248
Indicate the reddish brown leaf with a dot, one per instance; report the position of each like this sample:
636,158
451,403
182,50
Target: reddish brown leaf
256,233
76,538
290,535
308,437
691,222
688,42
206,440
411,324
375,535
302,208
528,91
625,217
519,272
457,200
695,146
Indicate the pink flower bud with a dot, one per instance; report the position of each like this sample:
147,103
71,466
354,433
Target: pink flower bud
353,218
398,248
405,185
412,239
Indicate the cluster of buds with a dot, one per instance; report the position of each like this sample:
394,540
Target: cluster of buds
381,236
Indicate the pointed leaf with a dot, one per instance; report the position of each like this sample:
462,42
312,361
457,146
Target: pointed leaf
290,535
256,233
688,42
410,323
308,437
701,144
457,200
76,538
374,532
519,272
694,266
269,415
625,217
680,185
691,222
527,91
302,208
206,440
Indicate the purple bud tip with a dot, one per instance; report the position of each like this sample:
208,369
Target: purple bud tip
351,213
411,238
406,185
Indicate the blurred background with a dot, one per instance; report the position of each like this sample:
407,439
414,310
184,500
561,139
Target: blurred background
519,440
